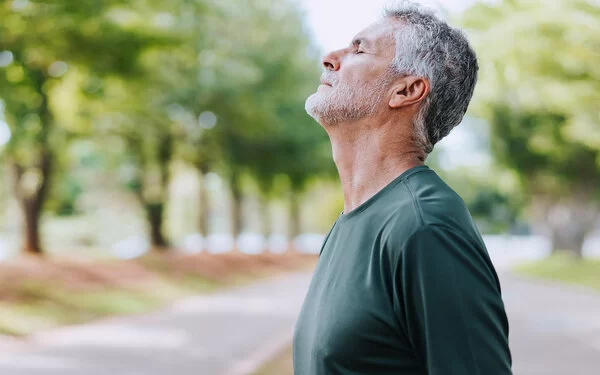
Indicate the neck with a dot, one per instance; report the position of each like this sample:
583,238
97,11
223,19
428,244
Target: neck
368,157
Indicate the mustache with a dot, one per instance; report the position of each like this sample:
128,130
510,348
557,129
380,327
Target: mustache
330,78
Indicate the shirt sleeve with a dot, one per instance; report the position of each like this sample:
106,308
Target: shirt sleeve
450,304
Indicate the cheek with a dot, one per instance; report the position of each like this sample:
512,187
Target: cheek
350,79
358,72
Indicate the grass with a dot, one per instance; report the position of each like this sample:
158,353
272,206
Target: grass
564,268
282,364
37,295
51,308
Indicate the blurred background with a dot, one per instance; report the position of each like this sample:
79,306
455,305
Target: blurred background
151,151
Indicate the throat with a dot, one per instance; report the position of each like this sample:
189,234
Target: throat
363,182
369,156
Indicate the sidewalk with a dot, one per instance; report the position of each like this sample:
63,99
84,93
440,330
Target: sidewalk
554,328
215,334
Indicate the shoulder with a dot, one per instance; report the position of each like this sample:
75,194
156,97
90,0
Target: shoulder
439,238
434,239
423,206
435,201
427,237
430,205
434,249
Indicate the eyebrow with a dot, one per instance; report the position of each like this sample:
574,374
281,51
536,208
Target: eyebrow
358,41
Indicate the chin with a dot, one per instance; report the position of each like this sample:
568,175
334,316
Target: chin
319,106
312,105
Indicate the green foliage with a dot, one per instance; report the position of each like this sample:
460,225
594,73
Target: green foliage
151,82
68,190
491,194
539,89
534,143
52,54
255,82
47,42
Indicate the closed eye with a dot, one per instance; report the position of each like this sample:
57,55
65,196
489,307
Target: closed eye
356,45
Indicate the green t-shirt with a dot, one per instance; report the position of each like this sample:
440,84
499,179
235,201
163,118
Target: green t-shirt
404,286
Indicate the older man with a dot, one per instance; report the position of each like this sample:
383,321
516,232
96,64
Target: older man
404,284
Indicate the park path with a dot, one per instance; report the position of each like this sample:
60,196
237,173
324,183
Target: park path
555,330
228,333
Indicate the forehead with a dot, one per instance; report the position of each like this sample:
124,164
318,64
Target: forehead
380,35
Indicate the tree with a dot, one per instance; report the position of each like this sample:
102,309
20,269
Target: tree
255,83
293,144
135,110
539,89
41,44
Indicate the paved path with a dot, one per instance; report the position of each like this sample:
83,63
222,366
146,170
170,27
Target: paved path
206,335
555,330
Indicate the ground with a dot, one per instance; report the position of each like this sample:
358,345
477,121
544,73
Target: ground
282,364
231,332
554,327
554,330
565,268
39,294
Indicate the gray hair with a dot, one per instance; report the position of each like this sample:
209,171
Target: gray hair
428,47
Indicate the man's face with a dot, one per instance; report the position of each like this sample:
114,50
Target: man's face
356,78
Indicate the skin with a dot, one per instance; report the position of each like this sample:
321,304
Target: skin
371,147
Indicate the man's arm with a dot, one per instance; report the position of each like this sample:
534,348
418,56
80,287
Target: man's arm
451,305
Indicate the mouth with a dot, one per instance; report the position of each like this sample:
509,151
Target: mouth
326,83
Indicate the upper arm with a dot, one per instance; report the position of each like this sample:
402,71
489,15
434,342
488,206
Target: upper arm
450,303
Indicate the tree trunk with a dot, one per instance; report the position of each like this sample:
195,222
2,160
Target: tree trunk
31,215
153,188
155,213
236,208
569,223
266,223
31,187
204,211
568,242
295,219
31,182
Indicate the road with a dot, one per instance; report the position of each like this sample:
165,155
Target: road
555,330
228,333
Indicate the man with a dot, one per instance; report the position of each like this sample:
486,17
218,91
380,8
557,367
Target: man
404,284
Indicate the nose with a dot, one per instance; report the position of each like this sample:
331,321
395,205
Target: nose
331,61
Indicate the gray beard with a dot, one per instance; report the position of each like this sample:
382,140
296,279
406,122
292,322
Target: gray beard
343,103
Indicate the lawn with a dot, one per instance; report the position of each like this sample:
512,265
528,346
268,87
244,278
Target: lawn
282,364
566,269
39,294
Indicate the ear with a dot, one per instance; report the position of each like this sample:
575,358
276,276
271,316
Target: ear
409,90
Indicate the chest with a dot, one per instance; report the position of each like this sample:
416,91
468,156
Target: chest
348,317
